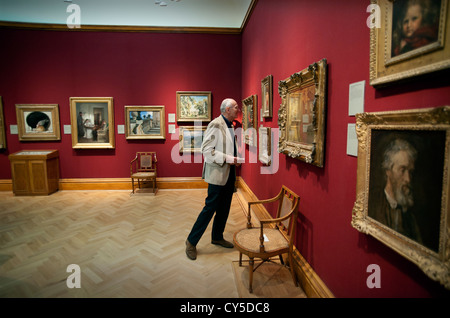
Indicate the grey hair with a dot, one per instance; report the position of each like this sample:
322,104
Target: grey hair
227,102
395,146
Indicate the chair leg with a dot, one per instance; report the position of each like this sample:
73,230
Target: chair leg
240,259
250,279
291,266
132,184
281,259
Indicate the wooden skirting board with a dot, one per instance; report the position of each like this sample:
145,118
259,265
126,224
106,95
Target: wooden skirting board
118,184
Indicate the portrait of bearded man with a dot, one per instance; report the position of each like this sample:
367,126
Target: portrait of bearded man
396,200
406,183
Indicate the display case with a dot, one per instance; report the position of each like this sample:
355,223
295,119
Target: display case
35,172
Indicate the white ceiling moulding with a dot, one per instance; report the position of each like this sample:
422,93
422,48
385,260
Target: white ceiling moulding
182,16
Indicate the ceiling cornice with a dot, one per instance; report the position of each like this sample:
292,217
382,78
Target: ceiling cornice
121,28
116,28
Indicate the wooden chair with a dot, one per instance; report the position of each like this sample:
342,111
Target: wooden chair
276,240
143,168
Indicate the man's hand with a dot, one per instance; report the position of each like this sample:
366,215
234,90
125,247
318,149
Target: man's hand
237,161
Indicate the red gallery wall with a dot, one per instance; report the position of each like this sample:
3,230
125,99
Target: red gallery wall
284,37
49,67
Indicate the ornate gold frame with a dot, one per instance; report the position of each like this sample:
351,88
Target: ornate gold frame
250,120
385,68
301,117
89,103
428,131
28,133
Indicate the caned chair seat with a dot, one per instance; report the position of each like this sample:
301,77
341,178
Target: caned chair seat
143,175
248,239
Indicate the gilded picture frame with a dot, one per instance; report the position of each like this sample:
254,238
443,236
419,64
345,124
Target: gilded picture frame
402,190
301,117
400,49
267,96
191,138
2,127
265,148
145,122
250,120
194,106
92,122
38,122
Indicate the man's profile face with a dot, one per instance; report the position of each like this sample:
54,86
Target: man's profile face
233,111
400,177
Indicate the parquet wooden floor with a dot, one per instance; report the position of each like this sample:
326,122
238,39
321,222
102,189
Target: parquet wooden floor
126,246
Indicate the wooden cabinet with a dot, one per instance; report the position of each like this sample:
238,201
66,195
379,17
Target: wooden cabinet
35,172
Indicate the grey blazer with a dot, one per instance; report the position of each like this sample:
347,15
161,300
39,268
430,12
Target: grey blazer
218,152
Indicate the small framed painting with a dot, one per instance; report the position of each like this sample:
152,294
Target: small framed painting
191,138
38,122
145,122
193,106
250,120
265,149
266,96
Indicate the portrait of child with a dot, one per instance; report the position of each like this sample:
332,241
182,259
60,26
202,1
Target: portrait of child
415,24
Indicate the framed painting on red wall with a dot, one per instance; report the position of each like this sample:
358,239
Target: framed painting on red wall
265,148
92,122
403,182
145,122
38,122
408,39
191,138
301,117
250,120
194,106
266,96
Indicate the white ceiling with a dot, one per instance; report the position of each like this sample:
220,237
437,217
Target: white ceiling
140,13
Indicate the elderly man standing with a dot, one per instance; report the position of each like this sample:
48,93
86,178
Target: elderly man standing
220,159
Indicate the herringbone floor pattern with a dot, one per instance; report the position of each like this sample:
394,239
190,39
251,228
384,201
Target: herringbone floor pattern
126,246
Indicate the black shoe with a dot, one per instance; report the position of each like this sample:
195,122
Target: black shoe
223,243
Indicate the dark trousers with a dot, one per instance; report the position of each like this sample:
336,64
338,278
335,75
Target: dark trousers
218,201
